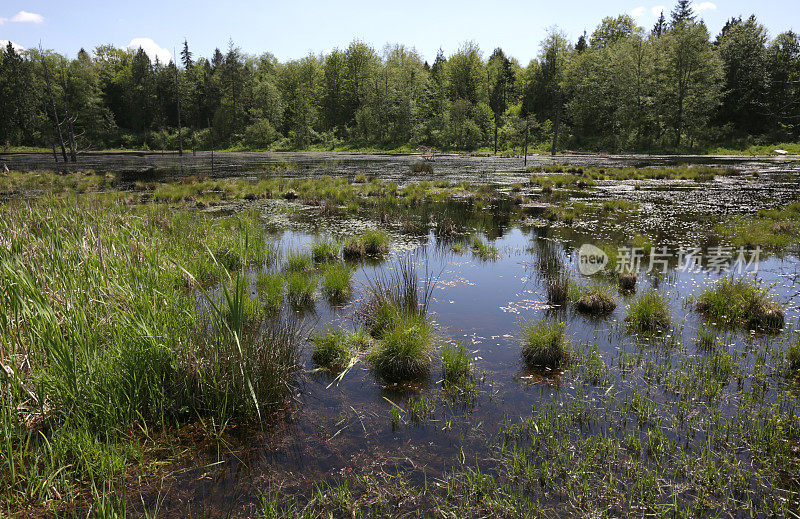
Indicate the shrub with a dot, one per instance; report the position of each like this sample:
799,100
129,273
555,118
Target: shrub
741,303
544,344
648,312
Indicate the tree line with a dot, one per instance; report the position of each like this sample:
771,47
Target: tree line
622,88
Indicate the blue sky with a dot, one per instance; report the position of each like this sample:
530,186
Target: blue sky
292,29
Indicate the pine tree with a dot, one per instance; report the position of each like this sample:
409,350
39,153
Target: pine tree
660,26
683,13
581,45
186,56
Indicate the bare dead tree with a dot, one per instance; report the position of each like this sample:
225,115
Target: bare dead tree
69,119
178,97
52,103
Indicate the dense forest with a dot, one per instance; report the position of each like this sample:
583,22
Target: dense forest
621,88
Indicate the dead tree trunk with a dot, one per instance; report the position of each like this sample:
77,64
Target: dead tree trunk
178,96
72,153
557,126
53,104
525,147
211,134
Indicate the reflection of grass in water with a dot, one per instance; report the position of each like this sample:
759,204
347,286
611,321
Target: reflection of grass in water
482,249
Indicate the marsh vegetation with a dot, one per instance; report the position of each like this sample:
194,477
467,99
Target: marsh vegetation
164,335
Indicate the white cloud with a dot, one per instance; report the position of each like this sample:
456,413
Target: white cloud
645,12
26,17
17,47
152,49
704,6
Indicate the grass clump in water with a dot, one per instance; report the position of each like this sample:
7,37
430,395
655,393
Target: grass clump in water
404,351
271,289
596,299
337,280
301,287
741,303
456,363
325,250
375,241
793,359
353,248
648,313
544,344
627,281
298,261
332,349
483,250
707,337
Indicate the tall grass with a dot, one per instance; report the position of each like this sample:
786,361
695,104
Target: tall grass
100,333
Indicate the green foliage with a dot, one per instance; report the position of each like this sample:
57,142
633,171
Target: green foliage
456,363
404,351
301,287
271,289
325,250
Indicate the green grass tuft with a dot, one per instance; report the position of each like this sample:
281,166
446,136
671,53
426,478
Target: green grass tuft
331,349
298,261
325,250
301,287
742,304
456,363
404,351
649,312
271,289
544,344
337,281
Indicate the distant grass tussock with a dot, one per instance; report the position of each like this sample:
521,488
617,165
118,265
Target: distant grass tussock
456,363
325,250
595,299
336,281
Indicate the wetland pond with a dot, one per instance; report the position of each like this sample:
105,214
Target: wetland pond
620,386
